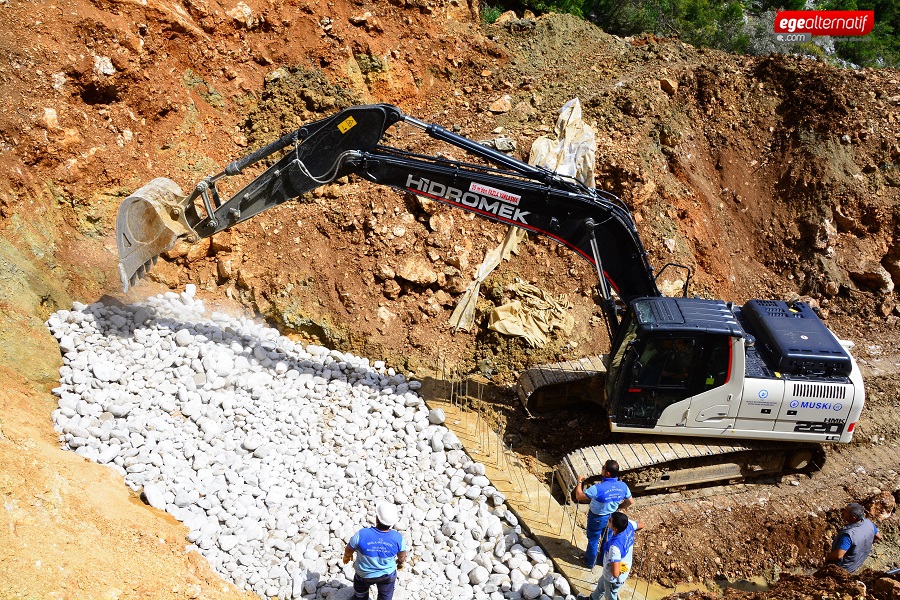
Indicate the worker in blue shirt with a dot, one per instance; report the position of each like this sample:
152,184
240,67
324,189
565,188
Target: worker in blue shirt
852,544
380,551
606,497
617,551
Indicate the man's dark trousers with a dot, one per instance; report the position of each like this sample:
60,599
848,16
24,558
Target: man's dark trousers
595,526
385,585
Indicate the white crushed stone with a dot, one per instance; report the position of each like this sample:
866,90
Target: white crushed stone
273,454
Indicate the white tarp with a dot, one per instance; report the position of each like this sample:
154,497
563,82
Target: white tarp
573,151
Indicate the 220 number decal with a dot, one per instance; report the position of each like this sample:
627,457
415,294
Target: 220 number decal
814,427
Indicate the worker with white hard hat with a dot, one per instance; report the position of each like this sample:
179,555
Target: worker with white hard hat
380,551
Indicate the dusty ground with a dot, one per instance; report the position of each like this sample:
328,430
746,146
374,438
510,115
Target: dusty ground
770,177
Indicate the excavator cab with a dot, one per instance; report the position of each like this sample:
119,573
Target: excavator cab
660,371
661,361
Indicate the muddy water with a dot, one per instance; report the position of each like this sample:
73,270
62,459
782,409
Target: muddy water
641,589
754,584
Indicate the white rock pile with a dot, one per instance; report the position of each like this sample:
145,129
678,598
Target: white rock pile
273,454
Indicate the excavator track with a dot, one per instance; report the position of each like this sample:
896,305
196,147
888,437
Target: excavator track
656,463
552,386
667,463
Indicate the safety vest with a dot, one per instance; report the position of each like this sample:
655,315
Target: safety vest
862,534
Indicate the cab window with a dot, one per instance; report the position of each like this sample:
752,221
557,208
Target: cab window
717,362
665,362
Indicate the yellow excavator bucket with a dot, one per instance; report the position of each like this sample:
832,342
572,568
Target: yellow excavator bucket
149,223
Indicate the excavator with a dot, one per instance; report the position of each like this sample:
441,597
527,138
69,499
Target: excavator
728,392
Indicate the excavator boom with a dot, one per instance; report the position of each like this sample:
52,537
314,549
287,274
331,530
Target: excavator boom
594,224
152,219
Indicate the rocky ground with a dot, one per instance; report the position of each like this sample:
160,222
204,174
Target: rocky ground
770,176
252,441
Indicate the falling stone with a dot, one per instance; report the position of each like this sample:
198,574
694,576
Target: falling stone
105,372
478,575
183,337
562,585
501,105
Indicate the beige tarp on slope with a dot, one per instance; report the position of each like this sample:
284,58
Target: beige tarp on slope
463,316
571,153
534,316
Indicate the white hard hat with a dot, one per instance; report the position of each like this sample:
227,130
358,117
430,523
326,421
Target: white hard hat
387,514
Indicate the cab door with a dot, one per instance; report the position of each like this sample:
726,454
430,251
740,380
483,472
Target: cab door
680,381
718,387
656,378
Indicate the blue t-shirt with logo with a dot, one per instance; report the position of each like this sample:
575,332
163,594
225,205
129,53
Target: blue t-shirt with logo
607,495
376,551
619,549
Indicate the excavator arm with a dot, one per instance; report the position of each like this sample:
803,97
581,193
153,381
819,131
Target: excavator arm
592,223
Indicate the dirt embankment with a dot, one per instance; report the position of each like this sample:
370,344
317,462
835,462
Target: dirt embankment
769,176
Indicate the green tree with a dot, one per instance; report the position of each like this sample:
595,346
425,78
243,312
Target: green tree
734,25
713,23
760,6
490,13
631,17
881,48
575,7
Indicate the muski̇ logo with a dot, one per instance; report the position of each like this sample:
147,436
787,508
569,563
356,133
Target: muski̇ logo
496,202
817,405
